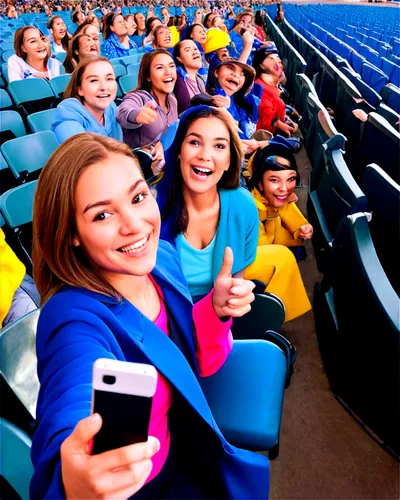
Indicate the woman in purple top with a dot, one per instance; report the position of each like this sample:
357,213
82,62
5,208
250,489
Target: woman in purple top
145,113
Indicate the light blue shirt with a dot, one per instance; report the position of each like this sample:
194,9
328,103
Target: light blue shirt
196,266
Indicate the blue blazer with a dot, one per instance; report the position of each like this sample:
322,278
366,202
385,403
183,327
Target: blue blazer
238,228
77,326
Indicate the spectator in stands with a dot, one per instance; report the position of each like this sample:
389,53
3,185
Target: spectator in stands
140,24
182,22
218,47
243,24
115,35
88,28
273,180
235,80
272,114
79,47
78,17
208,19
162,39
151,24
197,33
88,103
198,17
145,113
219,23
259,24
19,295
204,210
59,35
31,58
165,16
130,24
106,280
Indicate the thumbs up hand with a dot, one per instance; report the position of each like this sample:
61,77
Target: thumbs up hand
232,296
147,114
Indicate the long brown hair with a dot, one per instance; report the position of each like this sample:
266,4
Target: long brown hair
77,74
55,260
19,36
144,69
108,21
65,39
72,57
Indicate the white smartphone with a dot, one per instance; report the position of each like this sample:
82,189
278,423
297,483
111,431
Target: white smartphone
123,395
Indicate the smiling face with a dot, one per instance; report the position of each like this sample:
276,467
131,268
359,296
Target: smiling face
98,87
88,46
117,218
118,26
163,38
278,186
33,45
199,34
230,77
205,155
189,55
162,74
59,29
272,64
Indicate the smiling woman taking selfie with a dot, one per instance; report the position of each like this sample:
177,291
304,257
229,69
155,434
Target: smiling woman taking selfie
31,59
88,104
111,289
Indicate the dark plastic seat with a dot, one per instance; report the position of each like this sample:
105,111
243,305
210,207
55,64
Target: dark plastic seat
391,96
18,366
380,144
389,114
37,150
16,206
360,349
7,179
356,60
368,93
332,196
384,202
306,87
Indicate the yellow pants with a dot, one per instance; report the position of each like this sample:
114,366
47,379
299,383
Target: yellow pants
276,266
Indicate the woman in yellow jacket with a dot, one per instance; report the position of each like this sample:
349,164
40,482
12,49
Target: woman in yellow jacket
273,179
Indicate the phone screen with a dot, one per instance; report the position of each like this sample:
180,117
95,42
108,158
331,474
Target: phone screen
125,417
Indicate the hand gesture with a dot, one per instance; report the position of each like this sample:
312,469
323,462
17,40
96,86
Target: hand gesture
147,114
306,232
231,296
248,38
114,474
220,101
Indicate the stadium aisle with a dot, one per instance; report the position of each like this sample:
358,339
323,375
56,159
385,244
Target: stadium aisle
324,453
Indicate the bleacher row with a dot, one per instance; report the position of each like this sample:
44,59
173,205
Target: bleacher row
353,205
356,304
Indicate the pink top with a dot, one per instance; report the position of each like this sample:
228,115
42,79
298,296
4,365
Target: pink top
214,343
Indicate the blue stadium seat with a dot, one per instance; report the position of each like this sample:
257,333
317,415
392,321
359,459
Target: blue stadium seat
5,100
37,149
11,126
392,70
59,83
43,120
356,60
32,95
374,77
389,114
7,180
128,83
368,93
7,54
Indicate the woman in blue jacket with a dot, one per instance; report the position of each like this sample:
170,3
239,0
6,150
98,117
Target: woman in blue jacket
88,104
110,289
115,34
204,210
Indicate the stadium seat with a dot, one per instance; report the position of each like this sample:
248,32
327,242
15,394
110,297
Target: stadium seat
128,83
5,100
11,126
392,70
373,76
61,56
380,144
32,95
267,313
6,46
246,394
391,96
59,84
389,114
368,93
7,180
43,120
332,196
356,60
361,350
4,71
132,69
119,70
16,206
306,87
7,54
384,202
37,149
15,463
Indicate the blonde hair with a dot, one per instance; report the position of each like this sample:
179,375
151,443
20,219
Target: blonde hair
56,261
